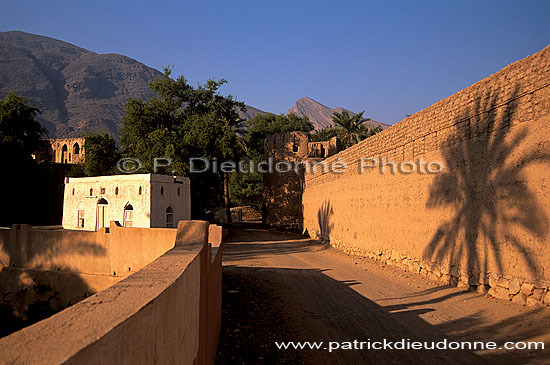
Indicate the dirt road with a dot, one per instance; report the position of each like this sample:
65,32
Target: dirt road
279,286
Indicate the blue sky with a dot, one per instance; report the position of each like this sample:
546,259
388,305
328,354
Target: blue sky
389,58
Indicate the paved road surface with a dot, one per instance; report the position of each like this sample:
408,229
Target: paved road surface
279,286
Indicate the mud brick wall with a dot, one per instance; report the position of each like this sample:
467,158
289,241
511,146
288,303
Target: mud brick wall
482,222
282,194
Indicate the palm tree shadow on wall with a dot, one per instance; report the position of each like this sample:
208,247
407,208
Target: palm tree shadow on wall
324,215
492,202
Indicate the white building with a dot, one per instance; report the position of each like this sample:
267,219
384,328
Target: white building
141,200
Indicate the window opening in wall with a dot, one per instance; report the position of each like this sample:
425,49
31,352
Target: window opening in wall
162,190
294,145
91,191
169,217
76,149
140,190
102,190
116,190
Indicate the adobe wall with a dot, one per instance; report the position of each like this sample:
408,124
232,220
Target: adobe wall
157,315
116,251
483,222
60,267
176,194
282,193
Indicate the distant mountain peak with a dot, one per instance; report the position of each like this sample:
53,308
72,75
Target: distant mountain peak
320,115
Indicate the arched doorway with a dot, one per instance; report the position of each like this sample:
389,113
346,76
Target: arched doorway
80,215
64,151
102,217
128,218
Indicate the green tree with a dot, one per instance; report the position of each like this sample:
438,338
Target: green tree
263,125
180,122
102,154
20,133
326,134
352,125
23,180
348,138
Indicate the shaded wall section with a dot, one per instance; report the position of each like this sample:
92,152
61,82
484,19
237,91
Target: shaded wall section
168,312
46,270
484,220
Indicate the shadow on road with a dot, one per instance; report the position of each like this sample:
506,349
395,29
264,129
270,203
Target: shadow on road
264,305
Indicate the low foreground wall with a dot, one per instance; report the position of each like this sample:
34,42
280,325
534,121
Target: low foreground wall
167,312
58,267
483,221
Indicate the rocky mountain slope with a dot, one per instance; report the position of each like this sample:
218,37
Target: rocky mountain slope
321,115
250,112
76,90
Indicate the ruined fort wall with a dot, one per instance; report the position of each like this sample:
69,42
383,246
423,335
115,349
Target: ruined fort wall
282,194
484,220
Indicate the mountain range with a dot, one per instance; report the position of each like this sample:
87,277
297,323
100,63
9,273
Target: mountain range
78,90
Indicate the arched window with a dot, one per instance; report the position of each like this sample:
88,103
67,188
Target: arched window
116,190
169,217
91,191
140,190
76,149
162,190
128,215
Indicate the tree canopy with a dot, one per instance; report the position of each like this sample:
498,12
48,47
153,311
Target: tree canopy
349,128
20,133
181,122
263,125
27,183
102,154
352,125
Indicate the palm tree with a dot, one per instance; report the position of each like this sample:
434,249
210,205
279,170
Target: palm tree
352,125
